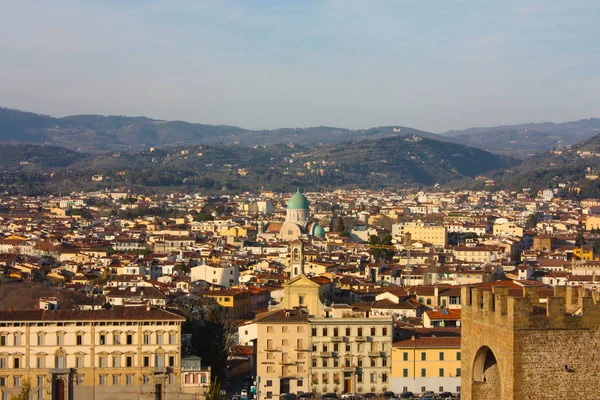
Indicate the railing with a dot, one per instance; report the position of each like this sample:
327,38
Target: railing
337,339
361,339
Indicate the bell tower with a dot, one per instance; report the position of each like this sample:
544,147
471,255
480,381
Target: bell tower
297,258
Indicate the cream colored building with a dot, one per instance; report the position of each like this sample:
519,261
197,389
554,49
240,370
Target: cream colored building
343,351
124,353
437,235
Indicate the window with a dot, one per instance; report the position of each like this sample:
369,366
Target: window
313,332
116,338
269,395
102,379
78,380
458,356
146,338
359,361
159,338
441,373
17,362
102,361
423,356
269,383
172,338
384,361
359,378
347,346
79,339
115,361
40,393
129,361
405,356
2,381
41,362
40,380
423,389
171,361
60,339
314,362
384,377
16,381
129,380
299,382
373,362
372,331
336,332
3,340
284,329
458,372
441,389
129,338
79,362
347,331
325,347
423,372
40,339
146,379
405,373
159,360
441,356
115,380
373,377
102,339
360,332
269,329
146,361
17,339
324,331
3,363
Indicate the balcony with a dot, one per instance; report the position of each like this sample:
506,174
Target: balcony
361,338
288,362
272,349
326,354
160,370
303,349
349,369
337,339
375,354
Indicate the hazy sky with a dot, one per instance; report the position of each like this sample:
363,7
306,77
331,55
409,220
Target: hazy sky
432,65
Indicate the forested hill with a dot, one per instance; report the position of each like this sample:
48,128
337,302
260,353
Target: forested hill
394,162
97,133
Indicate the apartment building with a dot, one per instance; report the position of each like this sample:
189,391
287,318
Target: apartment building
426,363
129,352
345,350
437,235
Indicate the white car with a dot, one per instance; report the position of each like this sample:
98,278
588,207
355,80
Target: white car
346,395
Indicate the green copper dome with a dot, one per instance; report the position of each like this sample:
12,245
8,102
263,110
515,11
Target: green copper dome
318,231
297,201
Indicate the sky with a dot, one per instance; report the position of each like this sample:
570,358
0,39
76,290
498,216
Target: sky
433,65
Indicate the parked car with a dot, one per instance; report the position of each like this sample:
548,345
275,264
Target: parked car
346,395
388,395
330,396
369,395
306,395
429,395
288,396
407,395
445,396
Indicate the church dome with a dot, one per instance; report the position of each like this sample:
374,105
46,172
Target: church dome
297,202
318,231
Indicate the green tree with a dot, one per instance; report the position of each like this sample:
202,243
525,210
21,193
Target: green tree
214,391
381,248
339,225
531,222
25,391
580,241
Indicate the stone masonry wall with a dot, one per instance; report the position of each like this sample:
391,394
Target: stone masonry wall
541,357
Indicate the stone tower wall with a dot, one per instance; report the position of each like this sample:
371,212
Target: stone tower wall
534,344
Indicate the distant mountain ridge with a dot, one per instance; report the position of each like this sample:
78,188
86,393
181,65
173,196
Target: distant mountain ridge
97,133
526,139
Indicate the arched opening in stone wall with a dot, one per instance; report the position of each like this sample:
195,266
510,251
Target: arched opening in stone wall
486,376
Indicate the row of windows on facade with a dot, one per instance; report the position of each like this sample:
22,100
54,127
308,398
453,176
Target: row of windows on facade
453,301
335,347
441,356
335,331
373,377
441,373
100,323
103,379
60,361
79,339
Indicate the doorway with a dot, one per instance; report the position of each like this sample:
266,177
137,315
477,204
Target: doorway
58,391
